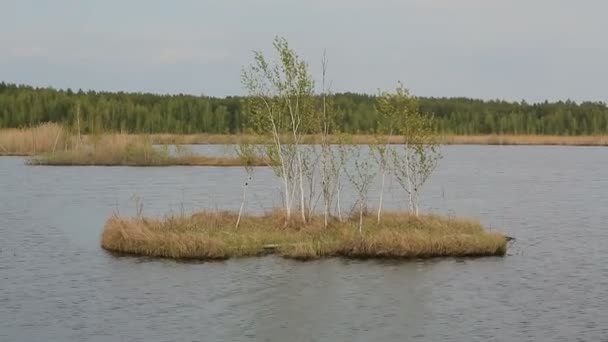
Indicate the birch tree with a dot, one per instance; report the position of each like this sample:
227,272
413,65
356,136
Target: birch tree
361,176
382,148
381,152
416,159
247,154
281,107
331,163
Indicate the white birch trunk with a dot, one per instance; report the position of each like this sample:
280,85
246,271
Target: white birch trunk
360,216
338,205
381,196
243,202
301,180
277,141
326,215
409,178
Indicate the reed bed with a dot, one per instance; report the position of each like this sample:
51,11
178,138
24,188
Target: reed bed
363,139
49,138
130,150
52,144
46,138
571,140
212,235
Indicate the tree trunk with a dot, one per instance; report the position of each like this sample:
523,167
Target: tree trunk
381,196
243,201
415,202
301,181
338,205
360,217
287,199
326,213
409,177
277,142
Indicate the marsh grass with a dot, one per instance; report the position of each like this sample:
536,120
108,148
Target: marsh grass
135,149
130,150
52,144
212,235
45,138
364,139
510,139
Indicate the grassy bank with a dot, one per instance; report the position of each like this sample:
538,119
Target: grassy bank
571,140
212,235
52,138
129,150
52,144
363,139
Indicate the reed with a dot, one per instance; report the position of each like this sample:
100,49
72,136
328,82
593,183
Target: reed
571,140
130,150
45,138
212,235
51,137
363,139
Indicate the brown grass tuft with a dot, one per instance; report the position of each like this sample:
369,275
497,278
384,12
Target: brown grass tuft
211,235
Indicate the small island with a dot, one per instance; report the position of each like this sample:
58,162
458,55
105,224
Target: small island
285,109
55,145
213,235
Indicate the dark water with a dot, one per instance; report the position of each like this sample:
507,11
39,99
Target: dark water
56,284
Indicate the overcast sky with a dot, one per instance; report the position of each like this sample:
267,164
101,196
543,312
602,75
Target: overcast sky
508,49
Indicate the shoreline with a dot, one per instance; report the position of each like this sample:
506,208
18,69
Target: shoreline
359,139
72,159
362,139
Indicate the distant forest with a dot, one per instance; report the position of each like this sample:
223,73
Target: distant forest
22,106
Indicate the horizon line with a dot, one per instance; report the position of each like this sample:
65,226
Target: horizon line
201,95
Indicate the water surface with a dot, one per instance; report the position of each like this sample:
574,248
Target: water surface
56,284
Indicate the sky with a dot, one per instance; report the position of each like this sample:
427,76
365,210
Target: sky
531,50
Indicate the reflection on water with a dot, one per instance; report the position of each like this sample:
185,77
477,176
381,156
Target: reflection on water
56,284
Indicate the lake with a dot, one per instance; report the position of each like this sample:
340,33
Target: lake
57,284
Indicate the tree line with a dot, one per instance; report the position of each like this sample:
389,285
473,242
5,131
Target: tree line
23,106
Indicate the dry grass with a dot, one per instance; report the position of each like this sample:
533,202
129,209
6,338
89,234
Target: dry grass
224,139
50,137
130,150
202,139
494,139
212,235
45,138
581,140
